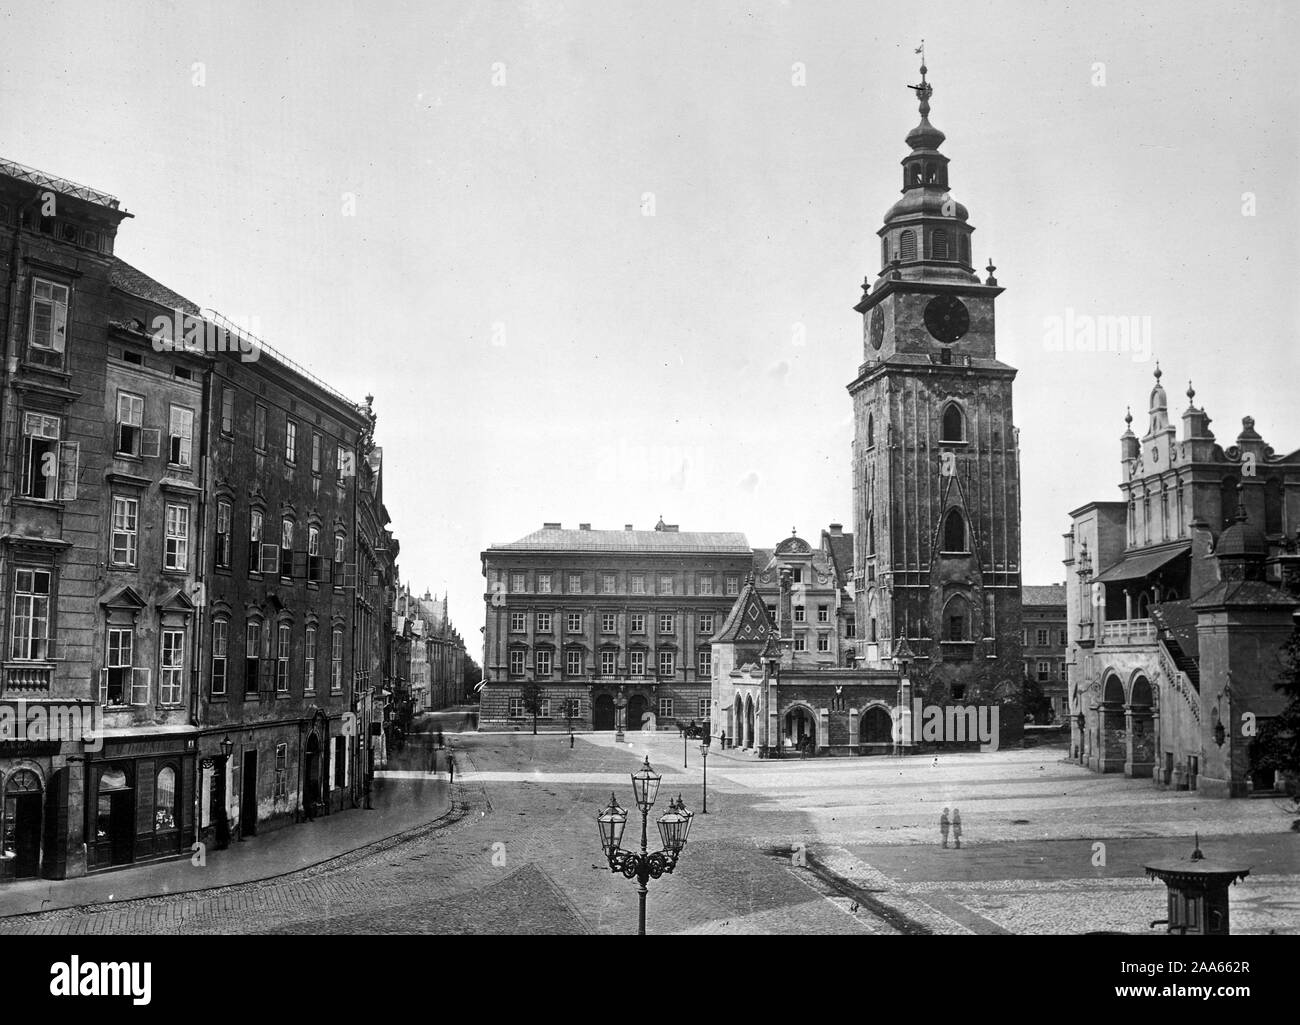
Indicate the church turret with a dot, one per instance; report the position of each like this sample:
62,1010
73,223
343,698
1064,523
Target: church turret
1129,446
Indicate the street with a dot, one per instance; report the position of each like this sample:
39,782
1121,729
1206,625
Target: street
816,846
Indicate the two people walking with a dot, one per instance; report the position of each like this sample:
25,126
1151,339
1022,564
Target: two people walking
950,822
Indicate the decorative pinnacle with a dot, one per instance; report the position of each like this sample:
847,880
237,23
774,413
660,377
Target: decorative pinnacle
1158,372
1191,393
1128,415
990,280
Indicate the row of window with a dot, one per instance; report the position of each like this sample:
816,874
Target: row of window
938,245
543,662
267,557
574,622
1044,670
267,667
547,583
571,708
1042,637
343,461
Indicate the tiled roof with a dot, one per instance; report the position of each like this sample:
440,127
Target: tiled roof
762,558
1042,594
136,282
841,546
550,539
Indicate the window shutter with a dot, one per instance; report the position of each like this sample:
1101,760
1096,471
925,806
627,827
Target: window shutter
69,466
151,442
103,686
58,325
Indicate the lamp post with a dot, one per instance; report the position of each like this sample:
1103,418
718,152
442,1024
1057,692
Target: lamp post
644,865
704,754
227,747
685,741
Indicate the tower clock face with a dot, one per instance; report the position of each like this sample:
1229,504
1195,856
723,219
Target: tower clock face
877,328
947,318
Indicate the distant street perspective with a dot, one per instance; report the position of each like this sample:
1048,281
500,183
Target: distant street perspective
839,846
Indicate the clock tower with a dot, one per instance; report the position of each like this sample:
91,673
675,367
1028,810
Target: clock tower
935,454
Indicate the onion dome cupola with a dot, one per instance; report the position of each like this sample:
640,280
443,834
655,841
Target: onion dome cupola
926,235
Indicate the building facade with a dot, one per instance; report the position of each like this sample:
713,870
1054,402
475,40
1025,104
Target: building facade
1180,598
936,453
601,619
1045,644
186,641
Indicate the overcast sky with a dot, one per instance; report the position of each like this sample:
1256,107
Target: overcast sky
446,204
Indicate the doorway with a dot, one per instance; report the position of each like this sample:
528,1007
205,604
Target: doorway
602,713
115,818
636,709
312,797
22,823
248,794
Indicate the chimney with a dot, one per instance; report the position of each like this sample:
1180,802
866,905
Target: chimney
551,526
627,526
785,607
837,529
584,526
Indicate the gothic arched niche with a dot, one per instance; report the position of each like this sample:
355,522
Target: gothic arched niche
952,425
956,619
954,532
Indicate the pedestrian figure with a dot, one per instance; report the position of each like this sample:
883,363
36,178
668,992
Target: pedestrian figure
956,827
570,741
451,774
722,739
943,826
935,763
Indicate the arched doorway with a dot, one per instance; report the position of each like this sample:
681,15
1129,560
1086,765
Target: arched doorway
22,823
1114,744
602,713
311,798
636,709
877,727
114,817
749,722
1140,762
800,729
738,723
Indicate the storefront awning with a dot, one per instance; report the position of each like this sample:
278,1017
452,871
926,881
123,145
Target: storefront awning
1141,564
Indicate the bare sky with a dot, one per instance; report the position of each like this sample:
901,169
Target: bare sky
541,349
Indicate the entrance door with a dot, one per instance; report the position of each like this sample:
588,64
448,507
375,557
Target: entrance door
121,826
636,709
602,713
313,775
248,795
23,816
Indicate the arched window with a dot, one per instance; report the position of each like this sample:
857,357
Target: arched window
952,426
956,619
916,175
939,244
871,534
963,244
907,246
871,430
929,173
884,253
164,806
954,532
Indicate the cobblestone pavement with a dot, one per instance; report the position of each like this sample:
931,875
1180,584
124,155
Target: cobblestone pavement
818,846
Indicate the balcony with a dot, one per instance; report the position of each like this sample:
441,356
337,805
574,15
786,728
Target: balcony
1128,631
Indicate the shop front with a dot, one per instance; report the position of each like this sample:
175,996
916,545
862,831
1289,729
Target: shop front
140,800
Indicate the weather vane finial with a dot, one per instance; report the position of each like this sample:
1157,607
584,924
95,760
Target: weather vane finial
924,90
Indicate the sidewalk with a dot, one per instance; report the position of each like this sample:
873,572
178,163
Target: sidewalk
399,805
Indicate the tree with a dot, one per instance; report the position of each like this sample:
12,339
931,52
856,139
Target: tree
1279,737
1036,702
533,695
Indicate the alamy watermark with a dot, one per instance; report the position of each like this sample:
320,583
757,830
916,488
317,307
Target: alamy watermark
185,332
80,723
955,723
1082,332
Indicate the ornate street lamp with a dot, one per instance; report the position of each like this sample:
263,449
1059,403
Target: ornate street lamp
227,747
644,865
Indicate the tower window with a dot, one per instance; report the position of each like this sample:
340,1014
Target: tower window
955,619
871,431
963,244
952,427
939,244
954,532
930,177
907,246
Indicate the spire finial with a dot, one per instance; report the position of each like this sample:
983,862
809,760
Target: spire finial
1128,416
924,90
1158,372
990,280
1191,394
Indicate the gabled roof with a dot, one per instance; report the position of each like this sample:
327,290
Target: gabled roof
748,619
630,541
840,547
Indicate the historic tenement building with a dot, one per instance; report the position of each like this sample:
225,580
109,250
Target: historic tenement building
183,533
606,619
935,455
823,616
1180,597
1045,643
432,651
